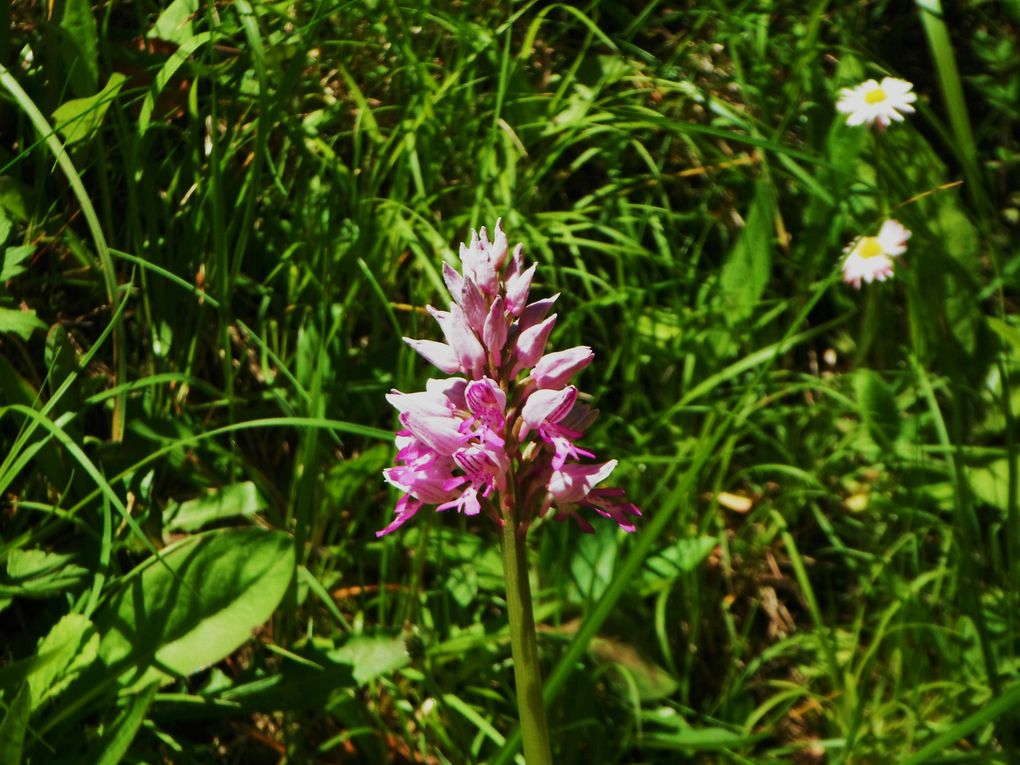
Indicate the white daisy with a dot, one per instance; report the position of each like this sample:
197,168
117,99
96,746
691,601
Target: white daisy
877,103
871,257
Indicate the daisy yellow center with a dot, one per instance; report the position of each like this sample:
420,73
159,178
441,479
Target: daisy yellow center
875,96
870,248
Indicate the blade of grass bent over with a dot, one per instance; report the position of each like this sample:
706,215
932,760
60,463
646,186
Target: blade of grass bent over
53,143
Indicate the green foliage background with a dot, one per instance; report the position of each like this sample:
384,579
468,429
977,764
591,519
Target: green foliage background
217,220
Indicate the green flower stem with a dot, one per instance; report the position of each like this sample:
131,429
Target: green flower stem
524,646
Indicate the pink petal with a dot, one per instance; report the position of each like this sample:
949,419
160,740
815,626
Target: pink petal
420,402
450,387
475,308
499,247
458,334
484,397
531,344
454,281
495,331
439,354
534,312
572,483
441,434
546,406
517,288
554,369
406,509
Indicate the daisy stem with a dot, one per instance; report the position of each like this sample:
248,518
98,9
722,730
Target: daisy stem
524,646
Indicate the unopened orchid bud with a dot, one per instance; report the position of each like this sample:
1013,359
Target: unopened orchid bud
517,288
499,247
471,300
495,331
534,313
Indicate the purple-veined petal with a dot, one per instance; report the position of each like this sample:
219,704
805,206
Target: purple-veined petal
546,406
572,483
485,398
450,387
466,503
406,508
613,504
441,434
483,465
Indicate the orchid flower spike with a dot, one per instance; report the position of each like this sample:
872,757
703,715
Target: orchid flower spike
500,436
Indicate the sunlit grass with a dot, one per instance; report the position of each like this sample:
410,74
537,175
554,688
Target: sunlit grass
829,566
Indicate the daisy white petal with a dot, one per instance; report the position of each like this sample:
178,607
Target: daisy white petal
870,258
877,103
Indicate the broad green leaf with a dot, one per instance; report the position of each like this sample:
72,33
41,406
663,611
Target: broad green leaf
197,605
18,322
14,726
592,564
174,23
306,685
13,258
683,556
697,739
115,743
69,648
79,119
80,50
372,656
1007,333
990,483
462,584
233,501
40,574
748,267
960,241
652,681
15,198
878,406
